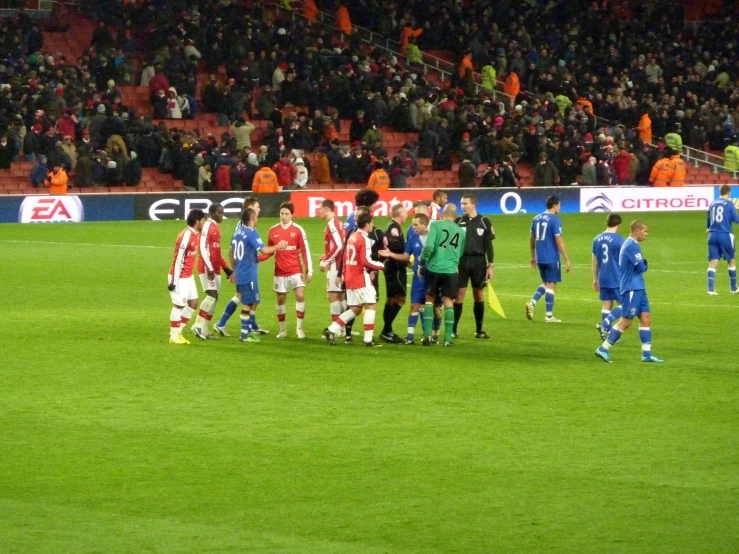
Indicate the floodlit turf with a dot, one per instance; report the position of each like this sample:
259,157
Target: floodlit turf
114,441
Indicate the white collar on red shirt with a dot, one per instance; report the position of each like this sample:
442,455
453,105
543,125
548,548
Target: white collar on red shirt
286,226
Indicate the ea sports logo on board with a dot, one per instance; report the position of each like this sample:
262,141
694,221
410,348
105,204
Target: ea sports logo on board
51,209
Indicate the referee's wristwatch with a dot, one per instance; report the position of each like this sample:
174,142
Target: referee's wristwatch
490,265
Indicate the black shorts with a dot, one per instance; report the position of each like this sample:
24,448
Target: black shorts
396,282
472,270
446,283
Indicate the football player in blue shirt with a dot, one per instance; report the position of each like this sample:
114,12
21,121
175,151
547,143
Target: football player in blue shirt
606,274
633,296
546,245
246,245
721,216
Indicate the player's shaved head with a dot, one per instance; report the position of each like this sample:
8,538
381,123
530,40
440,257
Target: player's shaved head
450,211
614,220
638,225
440,197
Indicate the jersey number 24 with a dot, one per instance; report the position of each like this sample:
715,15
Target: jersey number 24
454,242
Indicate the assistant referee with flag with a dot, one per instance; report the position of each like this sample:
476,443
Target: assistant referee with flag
476,265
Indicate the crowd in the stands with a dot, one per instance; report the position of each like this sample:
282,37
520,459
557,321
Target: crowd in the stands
595,87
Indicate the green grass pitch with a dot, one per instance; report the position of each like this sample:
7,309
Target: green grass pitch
114,441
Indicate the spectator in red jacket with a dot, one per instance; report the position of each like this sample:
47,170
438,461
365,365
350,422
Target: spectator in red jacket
621,164
285,171
158,82
65,124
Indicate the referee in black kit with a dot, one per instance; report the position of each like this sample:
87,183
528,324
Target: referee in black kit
476,265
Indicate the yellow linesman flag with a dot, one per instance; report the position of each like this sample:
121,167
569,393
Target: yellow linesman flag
493,301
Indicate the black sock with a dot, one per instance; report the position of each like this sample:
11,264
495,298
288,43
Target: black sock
479,312
395,310
348,327
387,318
457,314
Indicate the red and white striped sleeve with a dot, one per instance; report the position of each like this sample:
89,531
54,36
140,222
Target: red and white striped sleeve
205,246
367,260
304,250
337,245
179,260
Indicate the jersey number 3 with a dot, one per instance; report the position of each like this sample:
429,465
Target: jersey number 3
445,239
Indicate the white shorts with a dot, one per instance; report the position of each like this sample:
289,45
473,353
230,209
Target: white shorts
215,284
360,297
184,291
331,285
283,285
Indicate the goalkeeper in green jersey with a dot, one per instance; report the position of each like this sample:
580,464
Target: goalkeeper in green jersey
438,267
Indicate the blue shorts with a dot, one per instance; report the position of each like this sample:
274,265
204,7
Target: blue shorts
634,302
610,294
249,292
550,273
418,291
721,245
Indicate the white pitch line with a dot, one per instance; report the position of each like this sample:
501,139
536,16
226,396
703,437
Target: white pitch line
681,304
85,244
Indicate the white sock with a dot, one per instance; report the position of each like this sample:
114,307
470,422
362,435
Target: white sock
345,318
369,325
175,317
187,312
281,311
300,313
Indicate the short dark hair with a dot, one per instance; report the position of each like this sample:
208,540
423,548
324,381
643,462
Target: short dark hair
288,206
194,216
363,220
366,197
471,197
552,201
213,209
439,193
250,201
613,220
328,204
423,219
725,189
361,210
247,215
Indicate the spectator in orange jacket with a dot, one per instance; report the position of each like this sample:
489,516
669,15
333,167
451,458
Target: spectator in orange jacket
677,179
662,172
285,171
379,180
512,84
57,180
342,20
465,63
406,34
645,129
265,181
310,11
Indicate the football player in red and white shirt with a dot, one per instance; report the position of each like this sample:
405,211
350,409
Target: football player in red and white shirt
289,273
210,264
358,269
333,240
437,206
180,281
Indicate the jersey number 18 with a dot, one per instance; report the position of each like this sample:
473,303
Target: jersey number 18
717,214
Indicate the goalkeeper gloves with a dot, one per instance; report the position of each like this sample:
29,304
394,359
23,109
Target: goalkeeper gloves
170,287
228,271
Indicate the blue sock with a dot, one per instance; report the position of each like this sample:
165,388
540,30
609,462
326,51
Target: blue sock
538,294
614,316
437,323
732,277
613,335
712,278
246,324
412,320
604,315
254,325
227,313
549,302
645,336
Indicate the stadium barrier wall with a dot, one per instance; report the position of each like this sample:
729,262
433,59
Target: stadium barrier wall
159,206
